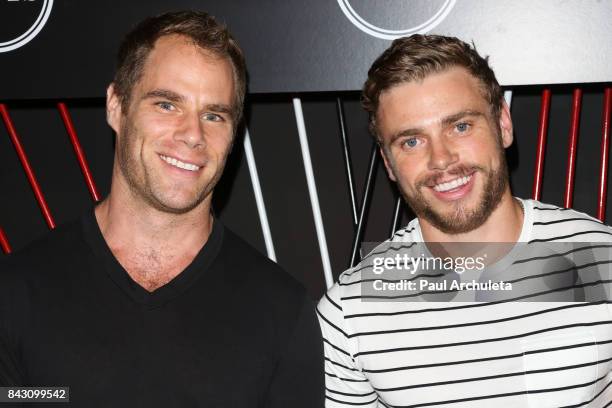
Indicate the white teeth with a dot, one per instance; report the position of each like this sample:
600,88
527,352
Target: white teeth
450,185
179,164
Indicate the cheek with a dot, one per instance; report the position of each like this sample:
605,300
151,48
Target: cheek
410,163
219,141
155,134
126,144
157,126
151,122
491,154
485,145
407,170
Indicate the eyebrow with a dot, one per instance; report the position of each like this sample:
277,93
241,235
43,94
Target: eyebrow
221,108
448,120
175,97
164,94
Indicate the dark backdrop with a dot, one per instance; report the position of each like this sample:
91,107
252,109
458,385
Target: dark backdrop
273,131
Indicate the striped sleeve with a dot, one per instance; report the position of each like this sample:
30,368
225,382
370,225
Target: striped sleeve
554,224
345,384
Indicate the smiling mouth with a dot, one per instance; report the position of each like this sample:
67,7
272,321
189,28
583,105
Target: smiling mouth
452,184
180,164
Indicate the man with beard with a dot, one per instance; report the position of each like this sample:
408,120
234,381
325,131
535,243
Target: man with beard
442,125
148,300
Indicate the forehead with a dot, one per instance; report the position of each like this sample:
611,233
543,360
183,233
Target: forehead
423,103
176,61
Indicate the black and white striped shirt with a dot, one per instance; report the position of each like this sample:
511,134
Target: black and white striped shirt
408,353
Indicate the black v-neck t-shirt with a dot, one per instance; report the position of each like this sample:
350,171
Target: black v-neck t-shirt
231,330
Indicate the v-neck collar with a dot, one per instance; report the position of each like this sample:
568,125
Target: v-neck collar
180,283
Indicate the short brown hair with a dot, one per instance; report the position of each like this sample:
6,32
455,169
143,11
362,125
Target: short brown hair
200,27
413,58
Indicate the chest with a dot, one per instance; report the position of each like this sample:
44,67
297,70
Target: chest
192,351
151,359
153,268
516,351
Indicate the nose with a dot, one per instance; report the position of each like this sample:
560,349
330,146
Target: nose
191,131
441,155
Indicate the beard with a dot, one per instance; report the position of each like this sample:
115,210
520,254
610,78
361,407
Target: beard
459,219
145,187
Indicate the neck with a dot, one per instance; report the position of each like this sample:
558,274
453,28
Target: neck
131,226
503,225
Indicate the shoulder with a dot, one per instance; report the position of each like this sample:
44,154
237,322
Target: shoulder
403,240
55,248
330,312
37,267
247,264
262,290
550,222
346,296
339,308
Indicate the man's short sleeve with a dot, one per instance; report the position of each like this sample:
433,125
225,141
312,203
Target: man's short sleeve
298,380
345,384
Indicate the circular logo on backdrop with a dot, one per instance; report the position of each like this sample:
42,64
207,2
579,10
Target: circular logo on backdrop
395,18
21,21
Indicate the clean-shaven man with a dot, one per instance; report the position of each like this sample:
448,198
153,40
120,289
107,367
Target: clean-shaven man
148,300
440,119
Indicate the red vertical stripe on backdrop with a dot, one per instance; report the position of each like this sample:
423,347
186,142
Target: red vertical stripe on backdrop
605,148
78,150
571,150
26,166
4,244
541,148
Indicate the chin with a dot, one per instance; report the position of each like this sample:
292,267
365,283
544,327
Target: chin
176,205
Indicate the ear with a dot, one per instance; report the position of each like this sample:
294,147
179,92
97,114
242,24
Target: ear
113,108
505,125
387,162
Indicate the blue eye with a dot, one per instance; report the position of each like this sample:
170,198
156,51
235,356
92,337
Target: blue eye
462,127
165,105
212,117
412,142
